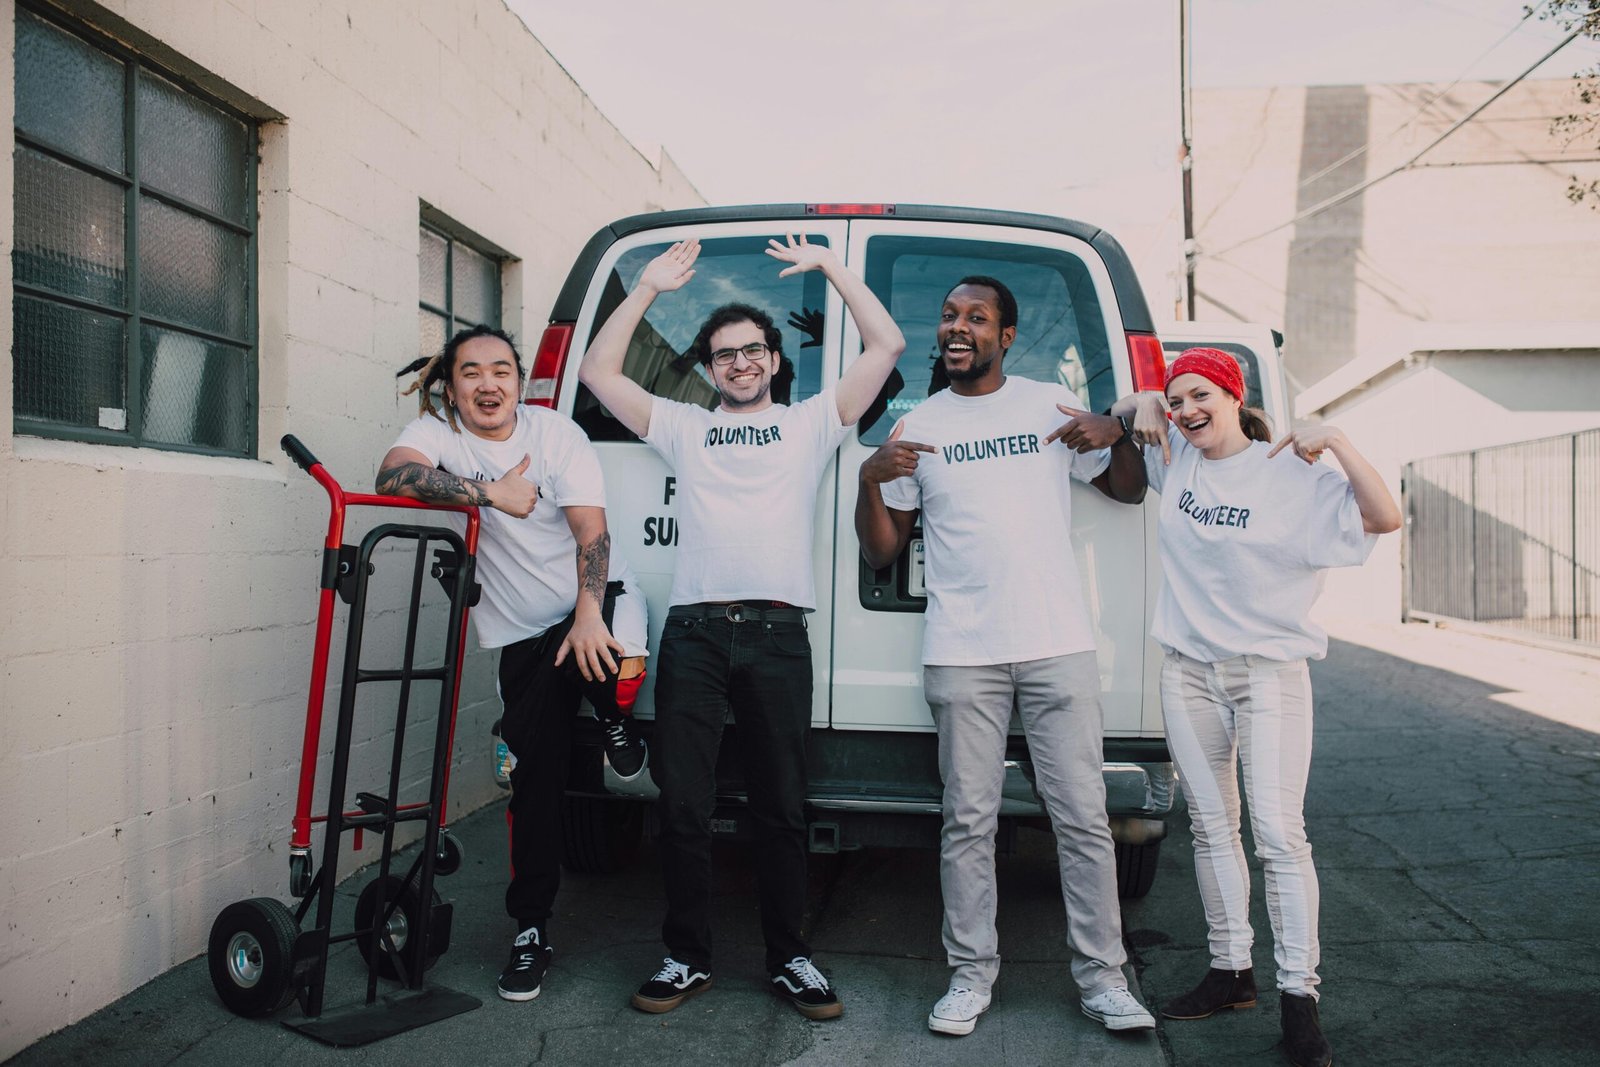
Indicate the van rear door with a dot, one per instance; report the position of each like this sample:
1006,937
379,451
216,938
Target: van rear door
1069,331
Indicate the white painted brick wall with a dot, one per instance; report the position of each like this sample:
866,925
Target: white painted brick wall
156,646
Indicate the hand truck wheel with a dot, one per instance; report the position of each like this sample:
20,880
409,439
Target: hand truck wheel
251,954
404,926
299,874
452,853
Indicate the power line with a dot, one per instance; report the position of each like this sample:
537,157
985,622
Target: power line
1426,104
1356,190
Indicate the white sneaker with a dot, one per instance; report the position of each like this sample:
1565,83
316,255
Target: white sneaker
957,1011
1117,1009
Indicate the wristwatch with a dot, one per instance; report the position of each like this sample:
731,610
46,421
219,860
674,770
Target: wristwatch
1127,429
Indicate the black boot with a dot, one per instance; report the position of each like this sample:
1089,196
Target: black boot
1303,1042
1217,990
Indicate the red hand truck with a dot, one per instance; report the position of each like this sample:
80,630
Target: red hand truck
260,957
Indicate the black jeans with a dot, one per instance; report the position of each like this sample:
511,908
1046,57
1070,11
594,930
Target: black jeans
761,669
541,701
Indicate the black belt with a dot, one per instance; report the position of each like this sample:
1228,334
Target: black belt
739,611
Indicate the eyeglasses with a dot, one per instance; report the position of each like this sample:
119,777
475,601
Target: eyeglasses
755,350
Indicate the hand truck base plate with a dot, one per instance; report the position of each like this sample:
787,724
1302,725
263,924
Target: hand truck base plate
393,1013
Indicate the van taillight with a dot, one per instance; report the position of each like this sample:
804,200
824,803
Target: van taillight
1149,363
544,384
849,209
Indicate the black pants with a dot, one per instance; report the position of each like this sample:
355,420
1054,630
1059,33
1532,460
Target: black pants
541,701
761,668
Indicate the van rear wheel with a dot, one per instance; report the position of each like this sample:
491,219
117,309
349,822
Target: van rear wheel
599,836
1136,869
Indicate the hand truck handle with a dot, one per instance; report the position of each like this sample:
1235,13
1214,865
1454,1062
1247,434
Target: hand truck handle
298,452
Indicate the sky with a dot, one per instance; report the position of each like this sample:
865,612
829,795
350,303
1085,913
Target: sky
1067,107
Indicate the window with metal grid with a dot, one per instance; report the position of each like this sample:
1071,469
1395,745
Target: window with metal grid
134,261
459,287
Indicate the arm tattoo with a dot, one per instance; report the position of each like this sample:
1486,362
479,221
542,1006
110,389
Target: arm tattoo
431,484
594,561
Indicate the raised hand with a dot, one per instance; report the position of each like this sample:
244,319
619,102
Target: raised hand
894,458
1309,442
809,322
671,269
512,493
801,255
1084,431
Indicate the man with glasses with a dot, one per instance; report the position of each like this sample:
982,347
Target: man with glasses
735,634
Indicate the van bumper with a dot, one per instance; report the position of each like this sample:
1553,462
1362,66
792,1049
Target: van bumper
1134,791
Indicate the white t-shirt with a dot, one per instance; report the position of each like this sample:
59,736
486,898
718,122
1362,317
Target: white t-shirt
527,567
996,517
1244,541
747,490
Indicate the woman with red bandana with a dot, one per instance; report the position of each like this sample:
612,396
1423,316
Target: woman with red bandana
1245,532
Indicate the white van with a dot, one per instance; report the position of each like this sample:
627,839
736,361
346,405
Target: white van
873,771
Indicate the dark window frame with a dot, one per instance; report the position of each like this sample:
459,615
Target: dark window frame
452,237
134,316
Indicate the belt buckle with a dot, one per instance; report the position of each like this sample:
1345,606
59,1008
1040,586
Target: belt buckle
734,613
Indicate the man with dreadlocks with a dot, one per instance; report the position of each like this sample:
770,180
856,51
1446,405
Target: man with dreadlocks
735,633
544,559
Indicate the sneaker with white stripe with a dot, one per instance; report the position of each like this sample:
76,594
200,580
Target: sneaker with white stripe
673,984
801,984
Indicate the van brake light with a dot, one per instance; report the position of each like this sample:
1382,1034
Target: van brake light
1148,362
544,383
849,209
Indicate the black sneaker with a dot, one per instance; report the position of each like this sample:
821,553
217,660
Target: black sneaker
624,750
530,958
801,984
673,984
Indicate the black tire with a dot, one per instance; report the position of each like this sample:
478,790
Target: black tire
1136,869
599,836
299,874
451,855
405,924
250,954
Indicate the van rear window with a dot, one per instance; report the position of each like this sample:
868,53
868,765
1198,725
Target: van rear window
729,269
1061,329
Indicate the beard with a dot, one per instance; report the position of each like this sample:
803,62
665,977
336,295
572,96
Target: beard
971,373
733,404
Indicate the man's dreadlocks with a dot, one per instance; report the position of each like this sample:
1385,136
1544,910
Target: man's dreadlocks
433,372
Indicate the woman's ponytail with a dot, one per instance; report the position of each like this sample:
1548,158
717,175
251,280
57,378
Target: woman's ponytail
1253,421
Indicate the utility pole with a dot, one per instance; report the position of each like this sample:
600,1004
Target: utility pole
1186,158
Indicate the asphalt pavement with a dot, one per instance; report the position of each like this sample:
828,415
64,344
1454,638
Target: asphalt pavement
1454,810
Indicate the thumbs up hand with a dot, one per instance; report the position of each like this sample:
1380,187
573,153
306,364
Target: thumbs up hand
513,493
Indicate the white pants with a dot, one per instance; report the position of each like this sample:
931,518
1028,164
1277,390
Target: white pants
1256,712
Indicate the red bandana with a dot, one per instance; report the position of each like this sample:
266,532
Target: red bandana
1211,363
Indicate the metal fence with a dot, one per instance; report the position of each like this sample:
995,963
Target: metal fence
1508,536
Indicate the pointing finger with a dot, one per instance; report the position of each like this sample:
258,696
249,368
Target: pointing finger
1074,412
918,446
1283,442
